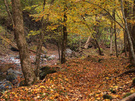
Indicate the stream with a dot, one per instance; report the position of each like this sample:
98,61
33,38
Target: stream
10,78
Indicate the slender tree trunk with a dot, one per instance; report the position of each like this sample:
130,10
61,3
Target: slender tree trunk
133,30
99,50
129,37
125,35
8,11
27,69
116,50
59,50
125,43
111,39
64,39
80,43
87,42
39,45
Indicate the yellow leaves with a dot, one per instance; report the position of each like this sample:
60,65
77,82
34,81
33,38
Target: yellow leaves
60,75
132,90
42,87
66,79
115,95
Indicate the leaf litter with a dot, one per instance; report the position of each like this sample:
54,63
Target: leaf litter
80,80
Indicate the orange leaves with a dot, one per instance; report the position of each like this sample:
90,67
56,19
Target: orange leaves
79,79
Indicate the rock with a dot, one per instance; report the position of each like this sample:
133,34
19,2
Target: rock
48,70
17,57
69,52
5,67
43,56
14,49
106,96
51,57
12,78
5,85
14,72
17,61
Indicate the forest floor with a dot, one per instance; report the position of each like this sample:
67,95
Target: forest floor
83,79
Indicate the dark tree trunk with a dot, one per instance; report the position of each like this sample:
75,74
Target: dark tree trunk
131,47
115,34
99,50
127,15
133,36
39,45
125,44
64,38
111,39
59,50
8,11
27,69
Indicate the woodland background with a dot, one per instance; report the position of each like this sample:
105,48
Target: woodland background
92,43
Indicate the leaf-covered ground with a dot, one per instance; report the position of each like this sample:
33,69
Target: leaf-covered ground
87,79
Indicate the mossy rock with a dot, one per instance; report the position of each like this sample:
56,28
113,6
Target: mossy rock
12,78
47,70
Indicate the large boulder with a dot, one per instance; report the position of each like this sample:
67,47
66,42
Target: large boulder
5,67
12,76
51,57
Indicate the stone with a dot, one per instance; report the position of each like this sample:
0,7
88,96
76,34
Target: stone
48,70
12,78
51,57
5,85
5,67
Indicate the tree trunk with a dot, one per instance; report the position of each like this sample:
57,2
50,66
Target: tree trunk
99,50
111,40
125,43
27,69
39,45
87,42
133,34
59,50
129,37
8,11
80,44
64,39
115,34
126,47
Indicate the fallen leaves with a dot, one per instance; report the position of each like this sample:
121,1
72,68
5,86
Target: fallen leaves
80,79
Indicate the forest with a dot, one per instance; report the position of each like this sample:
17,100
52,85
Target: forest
67,50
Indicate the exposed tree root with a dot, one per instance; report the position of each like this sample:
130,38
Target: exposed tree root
129,98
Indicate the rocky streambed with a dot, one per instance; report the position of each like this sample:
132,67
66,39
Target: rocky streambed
11,73
10,69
